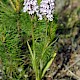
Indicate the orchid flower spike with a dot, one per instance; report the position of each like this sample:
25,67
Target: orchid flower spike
30,6
47,9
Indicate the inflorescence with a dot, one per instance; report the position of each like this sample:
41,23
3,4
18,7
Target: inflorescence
46,8
30,6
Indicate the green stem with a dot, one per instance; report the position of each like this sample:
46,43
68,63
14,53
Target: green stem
46,27
50,30
36,70
37,78
32,30
18,26
35,67
46,38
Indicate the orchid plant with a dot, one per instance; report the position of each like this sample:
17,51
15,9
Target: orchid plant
44,10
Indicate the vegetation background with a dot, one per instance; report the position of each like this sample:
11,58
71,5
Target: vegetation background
15,31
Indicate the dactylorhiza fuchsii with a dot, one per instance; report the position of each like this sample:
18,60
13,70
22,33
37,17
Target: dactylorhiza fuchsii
30,6
46,8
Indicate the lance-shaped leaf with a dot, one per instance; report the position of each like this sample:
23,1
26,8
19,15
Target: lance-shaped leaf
48,65
30,50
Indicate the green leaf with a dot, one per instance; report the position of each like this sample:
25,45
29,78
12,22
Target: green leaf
48,65
30,50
